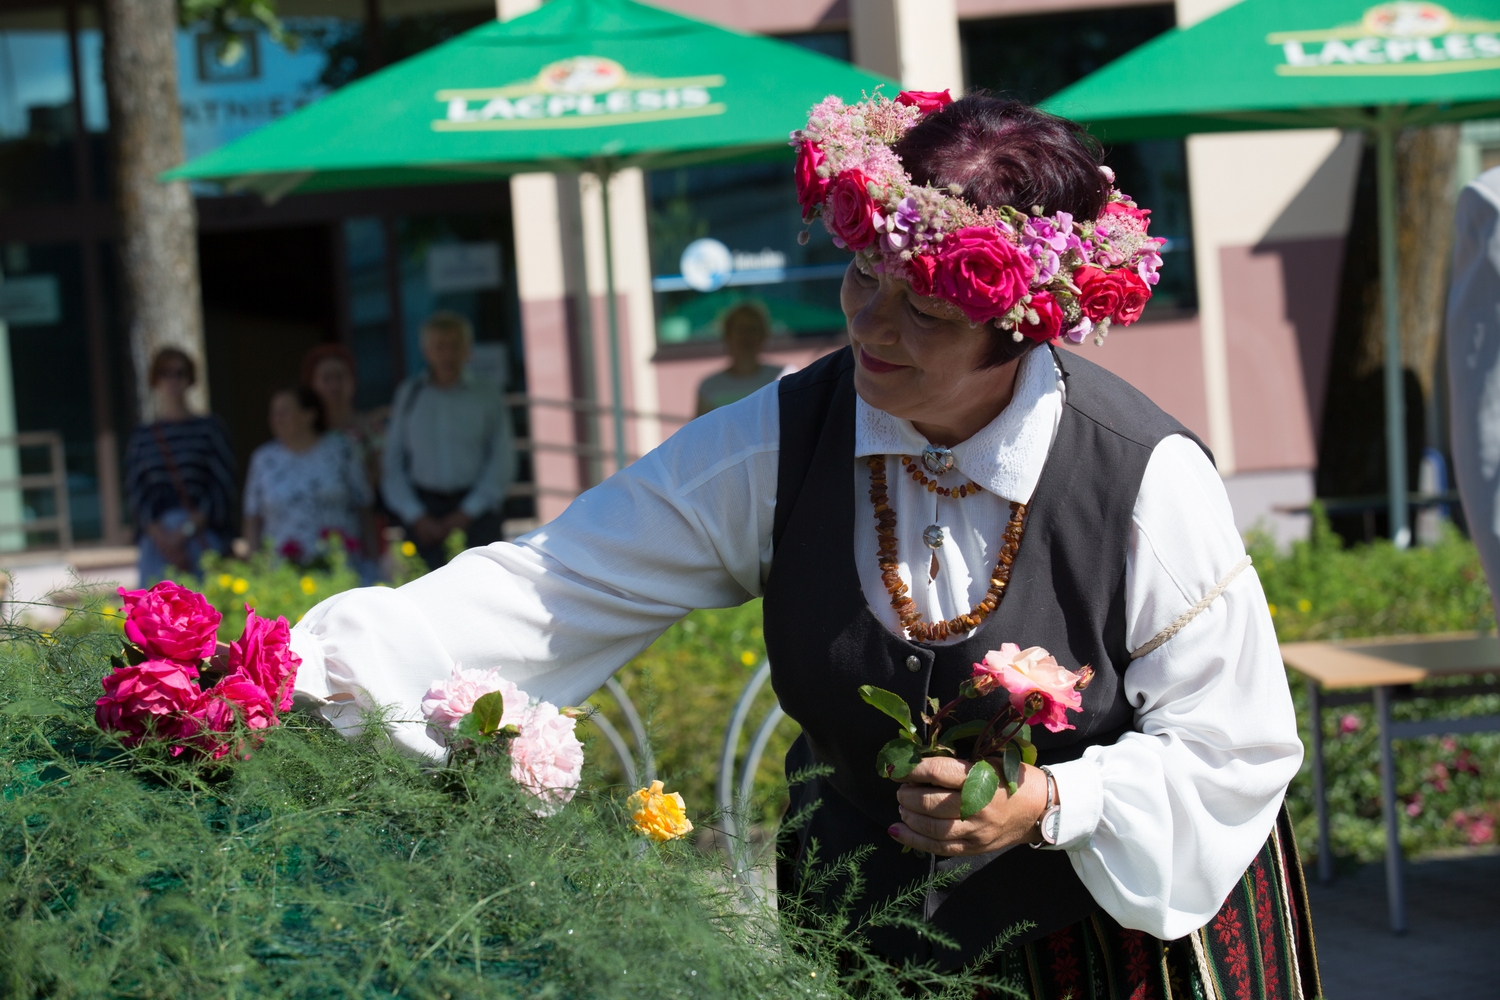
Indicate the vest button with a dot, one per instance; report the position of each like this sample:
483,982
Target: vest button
913,664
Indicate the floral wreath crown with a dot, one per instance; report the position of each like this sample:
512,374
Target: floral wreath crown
1036,275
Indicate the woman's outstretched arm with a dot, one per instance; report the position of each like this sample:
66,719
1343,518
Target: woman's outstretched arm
562,608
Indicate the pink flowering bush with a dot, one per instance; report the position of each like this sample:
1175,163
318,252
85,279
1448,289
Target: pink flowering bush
478,711
156,691
1040,691
170,622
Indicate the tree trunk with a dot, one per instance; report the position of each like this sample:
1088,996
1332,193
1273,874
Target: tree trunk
158,224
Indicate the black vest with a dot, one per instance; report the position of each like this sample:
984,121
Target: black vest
1066,594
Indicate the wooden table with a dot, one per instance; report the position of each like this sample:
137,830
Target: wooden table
1355,670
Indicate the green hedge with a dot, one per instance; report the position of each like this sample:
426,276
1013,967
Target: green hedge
1450,787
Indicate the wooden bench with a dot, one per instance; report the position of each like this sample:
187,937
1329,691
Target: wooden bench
1384,669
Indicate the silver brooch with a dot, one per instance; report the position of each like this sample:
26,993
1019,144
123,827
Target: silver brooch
937,459
933,536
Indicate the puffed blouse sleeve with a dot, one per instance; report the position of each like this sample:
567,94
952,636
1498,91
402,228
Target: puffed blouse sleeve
1160,825
559,610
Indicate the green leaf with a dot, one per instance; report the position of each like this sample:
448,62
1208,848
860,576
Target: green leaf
897,758
979,788
890,703
963,731
488,710
34,708
1028,751
1024,733
932,705
468,729
1012,764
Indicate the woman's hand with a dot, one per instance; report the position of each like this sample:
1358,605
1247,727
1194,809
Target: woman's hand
929,799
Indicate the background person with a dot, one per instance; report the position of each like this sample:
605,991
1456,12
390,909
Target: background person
306,484
746,327
450,452
179,475
329,370
1474,365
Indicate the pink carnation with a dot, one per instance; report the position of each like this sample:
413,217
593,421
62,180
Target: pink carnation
1040,689
978,270
448,701
171,622
159,698
263,653
547,758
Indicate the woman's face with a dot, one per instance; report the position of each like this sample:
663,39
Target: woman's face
918,358
289,421
334,382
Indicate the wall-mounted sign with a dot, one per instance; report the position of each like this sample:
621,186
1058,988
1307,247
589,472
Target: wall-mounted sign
577,93
32,300
706,265
1393,39
463,267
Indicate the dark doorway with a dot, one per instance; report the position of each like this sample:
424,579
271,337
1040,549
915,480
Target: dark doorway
268,296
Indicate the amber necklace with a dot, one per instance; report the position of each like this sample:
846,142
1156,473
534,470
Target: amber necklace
956,492
890,567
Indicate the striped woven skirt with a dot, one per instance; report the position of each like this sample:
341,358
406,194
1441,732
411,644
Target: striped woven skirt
1259,945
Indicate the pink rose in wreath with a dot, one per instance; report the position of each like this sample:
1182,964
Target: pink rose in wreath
850,213
157,698
1134,294
925,101
981,272
1041,690
1098,296
812,188
170,622
1049,316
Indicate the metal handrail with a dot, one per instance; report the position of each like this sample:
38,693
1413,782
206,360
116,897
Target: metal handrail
617,742
732,796
56,480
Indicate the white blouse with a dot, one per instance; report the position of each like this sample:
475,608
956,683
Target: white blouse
1158,826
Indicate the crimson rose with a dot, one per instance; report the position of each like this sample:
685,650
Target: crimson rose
925,101
851,211
169,622
980,271
264,655
1098,296
1134,294
1141,215
811,188
1049,318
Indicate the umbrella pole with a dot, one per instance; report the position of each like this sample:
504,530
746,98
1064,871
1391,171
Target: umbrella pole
1390,298
616,397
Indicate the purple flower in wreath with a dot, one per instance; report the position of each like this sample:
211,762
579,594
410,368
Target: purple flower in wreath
1045,241
898,228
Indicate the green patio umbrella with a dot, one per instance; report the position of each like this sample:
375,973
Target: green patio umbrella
577,85
1276,64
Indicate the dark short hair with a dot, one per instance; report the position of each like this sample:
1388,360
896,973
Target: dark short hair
306,399
166,356
326,352
1006,152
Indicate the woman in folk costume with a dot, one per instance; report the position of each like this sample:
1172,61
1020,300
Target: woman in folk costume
948,484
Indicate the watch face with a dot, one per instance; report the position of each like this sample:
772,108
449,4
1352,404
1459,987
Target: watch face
1051,825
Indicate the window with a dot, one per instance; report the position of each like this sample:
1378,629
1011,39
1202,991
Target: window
1031,58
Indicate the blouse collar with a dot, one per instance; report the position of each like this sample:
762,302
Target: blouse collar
1007,455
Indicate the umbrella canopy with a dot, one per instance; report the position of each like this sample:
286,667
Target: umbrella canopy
563,88
1277,64
1295,64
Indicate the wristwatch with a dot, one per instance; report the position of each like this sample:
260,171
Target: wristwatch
1050,822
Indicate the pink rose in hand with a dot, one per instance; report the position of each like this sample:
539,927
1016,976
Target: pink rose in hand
263,653
812,188
171,622
159,698
925,101
447,701
980,271
547,758
850,214
1040,688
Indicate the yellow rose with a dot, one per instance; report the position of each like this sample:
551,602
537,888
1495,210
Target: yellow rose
658,815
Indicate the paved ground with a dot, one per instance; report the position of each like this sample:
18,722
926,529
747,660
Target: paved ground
1452,949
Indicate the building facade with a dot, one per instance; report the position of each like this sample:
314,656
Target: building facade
1236,344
